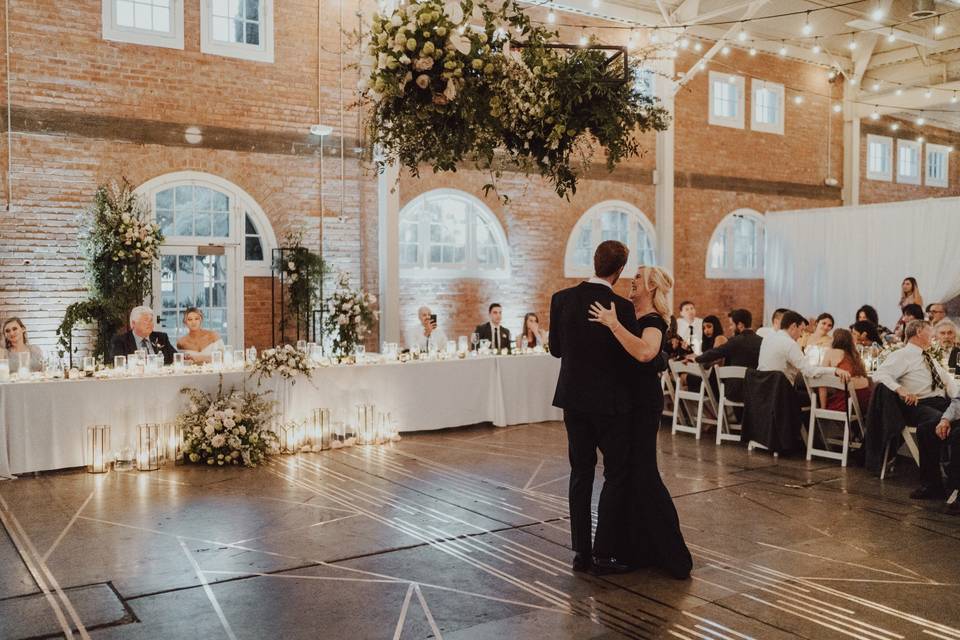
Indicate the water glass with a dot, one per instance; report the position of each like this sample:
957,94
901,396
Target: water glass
4,370
23,370
228,357
216,358
238,358
474,340
178,362
451,347
302,346
120,362
358,352
154,363
89,365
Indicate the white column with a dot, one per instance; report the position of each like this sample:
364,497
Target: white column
851,150
663,176
388,209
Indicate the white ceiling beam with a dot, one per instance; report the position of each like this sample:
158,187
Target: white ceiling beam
909,100
664,13
686,12
606,11
718,13
909,54
752,9
861,56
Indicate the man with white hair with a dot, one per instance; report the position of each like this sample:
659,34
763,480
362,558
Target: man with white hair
142,336
428,336
946,332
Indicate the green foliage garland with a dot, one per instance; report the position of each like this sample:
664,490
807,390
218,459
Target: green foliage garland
120,245
303,270
442,92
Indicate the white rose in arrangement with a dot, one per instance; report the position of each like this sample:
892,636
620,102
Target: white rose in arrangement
218,441
342,320
461,44
423,64
228,423
451,91
454,12
209,430
396,20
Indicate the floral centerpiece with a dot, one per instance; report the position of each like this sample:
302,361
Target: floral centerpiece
285,361
120,244
350,315
303,271
447,85
227,428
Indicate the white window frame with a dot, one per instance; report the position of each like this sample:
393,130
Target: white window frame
258,53
887,143
241,204
592,217
114,32
728,272
918,148
471,267
775,88
945,180
735,121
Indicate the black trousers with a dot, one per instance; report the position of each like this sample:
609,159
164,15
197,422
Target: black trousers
587,432
925,416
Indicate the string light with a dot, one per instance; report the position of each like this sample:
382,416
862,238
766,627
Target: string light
927,94
807,27
953,98
725,50
878,14
852,80
899,91
698,46
583,39
892,37
816,46
875,115
837,107
551,17
684,40
798,99
783,51
920,121
894,126
753,51
938,28
853,43
742,36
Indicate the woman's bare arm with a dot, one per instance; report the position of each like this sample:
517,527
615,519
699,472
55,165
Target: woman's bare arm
644,348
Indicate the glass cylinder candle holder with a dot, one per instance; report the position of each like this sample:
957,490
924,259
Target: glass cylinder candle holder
216,359
119,364
154,363
252,356
97,448
23,365
148,447
89,365
238,358
288,437
178,362
316,354
302,346
320,430
463,344
4,370
366,427
172,438
228,357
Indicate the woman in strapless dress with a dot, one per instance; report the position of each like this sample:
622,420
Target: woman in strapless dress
200,343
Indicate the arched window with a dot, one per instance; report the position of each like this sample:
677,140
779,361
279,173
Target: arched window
450,234
610,220
215,234
736,247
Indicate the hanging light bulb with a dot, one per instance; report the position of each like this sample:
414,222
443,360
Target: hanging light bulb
816,46
583,39
702,65
899,91
698,46
852,45
875,115
927,94
950,149
876,86
852,80
798,99
753,51
551,17
894,126
684,40
919,138
742,36
920,121
630,41
892,37
654,36
831,74
783,51
807,27
953,98
731,79
938,28
878,13
837,107
725,50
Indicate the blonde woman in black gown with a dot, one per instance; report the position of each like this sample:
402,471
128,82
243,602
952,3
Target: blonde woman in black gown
652,536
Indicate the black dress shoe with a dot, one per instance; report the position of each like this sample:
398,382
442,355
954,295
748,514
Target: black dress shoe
582,562
928,493
609,566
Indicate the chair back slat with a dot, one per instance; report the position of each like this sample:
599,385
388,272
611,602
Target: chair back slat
691,369
727,373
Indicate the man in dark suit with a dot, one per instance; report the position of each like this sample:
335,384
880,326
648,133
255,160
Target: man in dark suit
741,350
499,336
598,400
142,336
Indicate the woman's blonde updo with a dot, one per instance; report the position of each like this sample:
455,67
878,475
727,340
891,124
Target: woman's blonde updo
659,283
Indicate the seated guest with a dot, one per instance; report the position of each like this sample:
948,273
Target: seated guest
868,313
925,389
675,347
843,355
780,351
742,350
865,333
498,335
689,326
936,312
428,335
946,333
763,332
199,344
910,312
947,432
712,333
820,336
142,336
15,342
532,333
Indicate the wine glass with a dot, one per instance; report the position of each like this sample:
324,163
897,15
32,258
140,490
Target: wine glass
474,340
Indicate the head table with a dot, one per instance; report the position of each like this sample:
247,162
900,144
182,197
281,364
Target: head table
43,423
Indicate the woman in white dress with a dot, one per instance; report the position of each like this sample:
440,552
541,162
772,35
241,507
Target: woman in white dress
199,344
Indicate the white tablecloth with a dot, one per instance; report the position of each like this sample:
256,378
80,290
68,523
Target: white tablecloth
42,424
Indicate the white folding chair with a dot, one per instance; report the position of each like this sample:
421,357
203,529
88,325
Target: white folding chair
726,415
703,398
909,443
819,415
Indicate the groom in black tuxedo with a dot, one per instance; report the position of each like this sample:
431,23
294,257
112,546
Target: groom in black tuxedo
142,336
598,401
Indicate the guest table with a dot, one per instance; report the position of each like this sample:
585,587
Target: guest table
43,423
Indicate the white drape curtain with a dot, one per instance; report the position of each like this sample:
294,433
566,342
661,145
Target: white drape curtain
837,259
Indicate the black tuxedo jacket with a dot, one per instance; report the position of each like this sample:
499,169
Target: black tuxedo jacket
597,375
126,343
742,350
485,333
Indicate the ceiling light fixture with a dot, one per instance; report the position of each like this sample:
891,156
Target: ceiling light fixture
551,17
321,130
894,126
899,91
753,51
837,107
807,27
892,37
875,115
698,46
876,86
878,14
938,29
742,36
783,51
